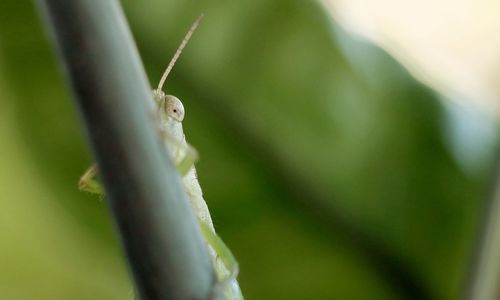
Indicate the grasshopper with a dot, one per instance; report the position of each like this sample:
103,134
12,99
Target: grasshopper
170,114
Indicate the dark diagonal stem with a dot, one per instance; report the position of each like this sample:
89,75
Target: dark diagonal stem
166,254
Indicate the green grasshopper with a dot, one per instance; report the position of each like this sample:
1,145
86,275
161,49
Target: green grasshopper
170,112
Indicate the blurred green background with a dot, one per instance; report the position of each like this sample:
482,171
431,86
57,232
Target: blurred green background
329,171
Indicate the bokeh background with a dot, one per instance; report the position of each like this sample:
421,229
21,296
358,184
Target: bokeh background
330,171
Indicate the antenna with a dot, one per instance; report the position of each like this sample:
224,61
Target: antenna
179,51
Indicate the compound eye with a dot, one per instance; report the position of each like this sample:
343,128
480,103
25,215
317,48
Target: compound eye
174,108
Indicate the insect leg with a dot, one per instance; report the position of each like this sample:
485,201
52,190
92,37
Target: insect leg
187,161
183,154
226,266
89,183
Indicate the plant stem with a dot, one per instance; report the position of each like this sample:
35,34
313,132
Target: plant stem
166,254
484,277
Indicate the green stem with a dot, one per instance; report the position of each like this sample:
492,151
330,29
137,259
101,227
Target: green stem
484,277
